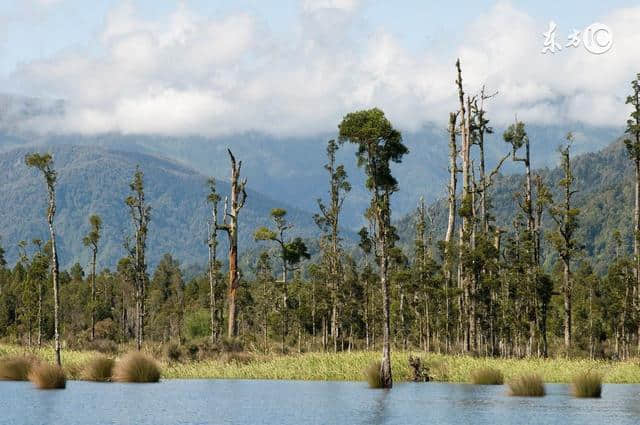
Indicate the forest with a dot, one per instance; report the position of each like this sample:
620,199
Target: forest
472,286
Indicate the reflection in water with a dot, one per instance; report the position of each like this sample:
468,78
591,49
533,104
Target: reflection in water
295,403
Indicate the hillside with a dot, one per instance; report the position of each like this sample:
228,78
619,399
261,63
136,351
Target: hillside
605,197
95,180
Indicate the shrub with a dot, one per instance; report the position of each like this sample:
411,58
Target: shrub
197,324
527,386
46,376
136,367
587,385
372,373
98,369
173,352
15,368
420,372
487,376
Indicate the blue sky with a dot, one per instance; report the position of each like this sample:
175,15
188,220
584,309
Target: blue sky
396,54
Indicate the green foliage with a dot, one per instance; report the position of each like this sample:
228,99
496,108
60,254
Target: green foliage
46,376
197,324
136,367
527,385
587,385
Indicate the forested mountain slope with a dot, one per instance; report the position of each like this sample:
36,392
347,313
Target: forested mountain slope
95,180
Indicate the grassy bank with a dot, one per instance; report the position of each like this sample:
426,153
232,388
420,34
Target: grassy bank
350,366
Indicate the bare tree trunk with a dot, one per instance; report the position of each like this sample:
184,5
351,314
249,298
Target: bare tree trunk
451,222
56,287
93,295
636,241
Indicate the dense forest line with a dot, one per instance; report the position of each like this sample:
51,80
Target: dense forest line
488,285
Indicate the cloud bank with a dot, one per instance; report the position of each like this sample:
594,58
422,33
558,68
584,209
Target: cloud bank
214,76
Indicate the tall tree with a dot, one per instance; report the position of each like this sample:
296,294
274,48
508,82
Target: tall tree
212,243
230,226
378,144
91,240
44,163
633,147
140,213
329,222
563,239
291,253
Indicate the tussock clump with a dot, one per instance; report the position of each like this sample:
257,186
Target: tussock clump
373,375
487,376
46,376
527,386
15,368
587,385
136,367
98,369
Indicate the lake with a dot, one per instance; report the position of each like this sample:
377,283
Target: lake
175,402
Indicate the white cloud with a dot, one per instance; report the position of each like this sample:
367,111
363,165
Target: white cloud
213,76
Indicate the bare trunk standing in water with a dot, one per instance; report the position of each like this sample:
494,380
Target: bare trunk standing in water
378,144
91,240
230,225
44,163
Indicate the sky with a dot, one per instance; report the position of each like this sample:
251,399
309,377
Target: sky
295,67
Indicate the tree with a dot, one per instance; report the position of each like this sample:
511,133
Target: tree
329,222
212,243
230,225
563,239
44,163
91,241
140,216
378,144
291,253
633,147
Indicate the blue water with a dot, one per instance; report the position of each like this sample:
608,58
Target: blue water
175,402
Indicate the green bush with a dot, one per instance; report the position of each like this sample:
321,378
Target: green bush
197,324
487,376
587,385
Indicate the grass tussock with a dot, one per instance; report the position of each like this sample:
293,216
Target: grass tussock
15,368
136,367
487,376
528,385
587,385
46,376
373,375
98,369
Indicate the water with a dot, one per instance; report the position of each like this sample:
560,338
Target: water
176,402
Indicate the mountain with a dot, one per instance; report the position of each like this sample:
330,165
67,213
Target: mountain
96,180
604,181
289,169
